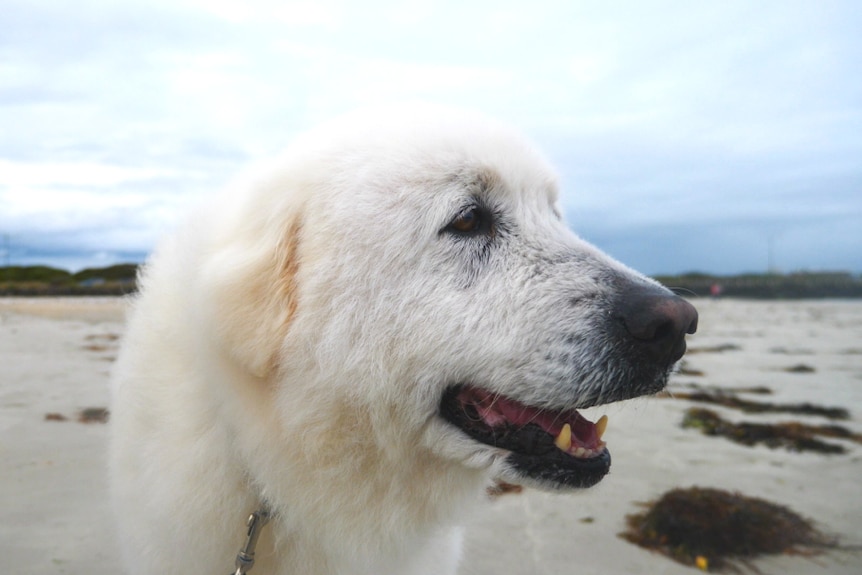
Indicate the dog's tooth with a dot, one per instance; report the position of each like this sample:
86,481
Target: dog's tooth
601,425
580,452
564,439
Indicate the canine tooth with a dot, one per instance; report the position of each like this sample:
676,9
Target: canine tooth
564,439
601,425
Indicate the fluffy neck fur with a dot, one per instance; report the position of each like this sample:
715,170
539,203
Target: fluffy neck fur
338,493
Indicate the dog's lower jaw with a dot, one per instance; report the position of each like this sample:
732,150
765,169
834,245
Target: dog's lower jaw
548,449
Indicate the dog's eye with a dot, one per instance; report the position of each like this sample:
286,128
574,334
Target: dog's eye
467,222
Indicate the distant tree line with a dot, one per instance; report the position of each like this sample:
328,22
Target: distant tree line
119,279
801,285
122,279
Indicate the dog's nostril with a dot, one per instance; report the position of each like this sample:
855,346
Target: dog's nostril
658,322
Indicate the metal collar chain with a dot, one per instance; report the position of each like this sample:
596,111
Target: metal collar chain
245,557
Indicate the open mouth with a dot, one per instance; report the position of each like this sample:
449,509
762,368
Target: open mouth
561,448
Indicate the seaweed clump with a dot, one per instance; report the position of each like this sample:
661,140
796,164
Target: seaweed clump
86,415
793,436
717,530
721,348
93,415
732,401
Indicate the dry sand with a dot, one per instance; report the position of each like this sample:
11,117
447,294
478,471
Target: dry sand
55,357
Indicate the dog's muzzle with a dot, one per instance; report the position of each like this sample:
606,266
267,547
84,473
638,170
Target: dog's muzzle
558,447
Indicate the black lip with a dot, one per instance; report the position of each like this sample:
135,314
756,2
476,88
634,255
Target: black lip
533,453
563,471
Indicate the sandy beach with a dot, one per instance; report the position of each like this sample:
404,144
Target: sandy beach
56,356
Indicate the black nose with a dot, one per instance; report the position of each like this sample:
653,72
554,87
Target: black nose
657,322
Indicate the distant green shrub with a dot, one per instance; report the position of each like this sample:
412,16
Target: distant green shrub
768,286
40,274
47,281
117,273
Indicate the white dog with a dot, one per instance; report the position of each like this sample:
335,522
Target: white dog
361,341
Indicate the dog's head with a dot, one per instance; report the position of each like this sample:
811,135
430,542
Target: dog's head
420,268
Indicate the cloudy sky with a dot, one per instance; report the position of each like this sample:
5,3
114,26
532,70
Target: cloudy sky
714,136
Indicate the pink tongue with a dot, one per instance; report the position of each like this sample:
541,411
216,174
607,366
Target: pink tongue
521,415
498,410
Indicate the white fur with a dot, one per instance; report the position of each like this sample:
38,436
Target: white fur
291,343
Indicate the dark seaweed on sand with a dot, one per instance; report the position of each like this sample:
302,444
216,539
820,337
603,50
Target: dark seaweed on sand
93,415
721,348
734,402
718,530
793,436
754,389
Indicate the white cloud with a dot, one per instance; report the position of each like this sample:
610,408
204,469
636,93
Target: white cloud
382,80
299,14
25,175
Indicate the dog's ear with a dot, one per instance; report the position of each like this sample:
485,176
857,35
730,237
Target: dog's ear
250,292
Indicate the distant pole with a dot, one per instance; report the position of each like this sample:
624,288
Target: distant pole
6,250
